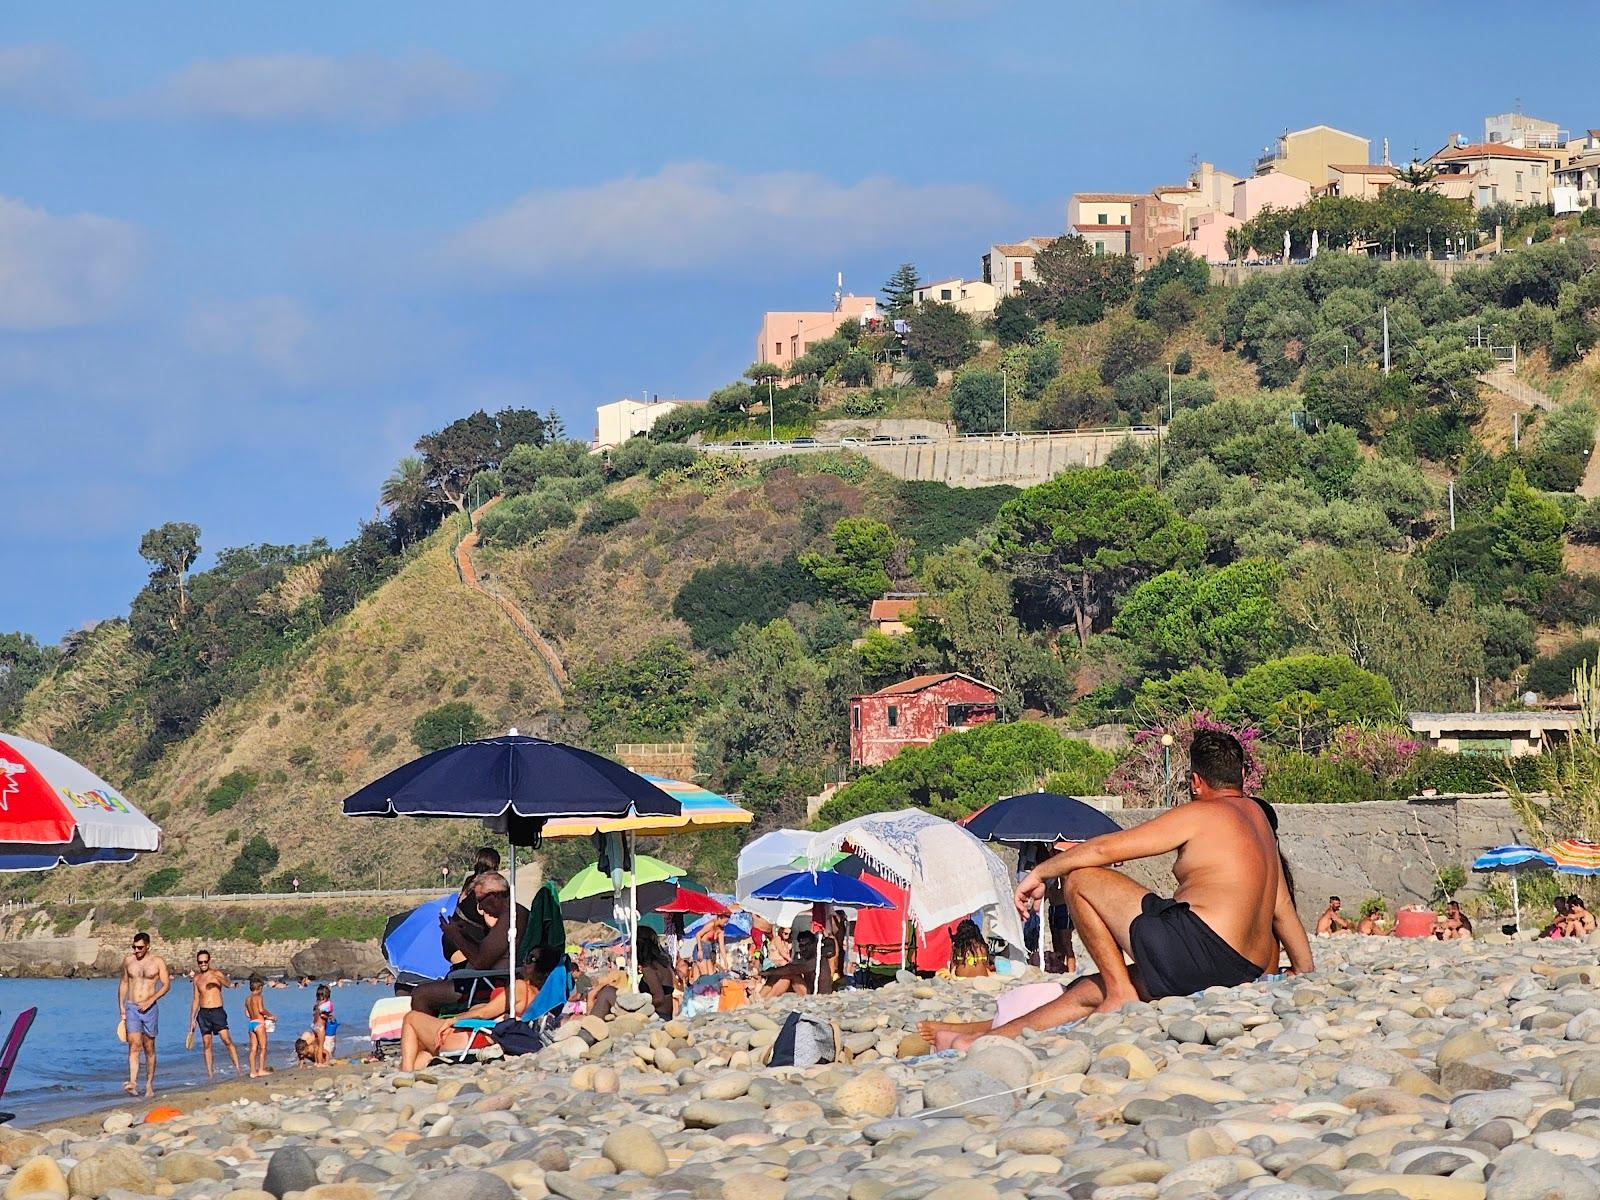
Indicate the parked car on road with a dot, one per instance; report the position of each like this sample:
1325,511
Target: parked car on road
919,437
741,444
804,441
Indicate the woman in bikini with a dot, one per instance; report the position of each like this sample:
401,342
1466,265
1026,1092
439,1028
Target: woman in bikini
422,1037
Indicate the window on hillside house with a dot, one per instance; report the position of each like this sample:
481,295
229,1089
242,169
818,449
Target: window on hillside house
1519,181
1102,219
894,716
777,348
1016,272
944,293
855,716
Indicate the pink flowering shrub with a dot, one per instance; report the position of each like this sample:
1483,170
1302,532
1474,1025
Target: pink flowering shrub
1141,775
1386,754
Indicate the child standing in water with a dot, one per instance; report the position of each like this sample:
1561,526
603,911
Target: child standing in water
323,1024
258,1020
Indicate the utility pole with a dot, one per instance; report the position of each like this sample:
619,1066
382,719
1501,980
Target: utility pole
1386,339
772,419
1169,393
1516,430
1452,505
1005,401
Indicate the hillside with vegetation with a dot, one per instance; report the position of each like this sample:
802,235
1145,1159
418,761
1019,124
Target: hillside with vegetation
1282,560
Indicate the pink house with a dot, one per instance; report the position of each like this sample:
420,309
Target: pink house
1207,237
785,336
1275,188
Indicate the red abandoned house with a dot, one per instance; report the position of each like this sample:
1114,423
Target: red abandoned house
915,712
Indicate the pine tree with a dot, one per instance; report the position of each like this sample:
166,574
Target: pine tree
900,293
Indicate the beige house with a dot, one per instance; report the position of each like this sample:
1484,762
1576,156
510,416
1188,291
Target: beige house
1360,181
1009,265
1519,129
785,336
1511,734
1499,171
1577,181
1213,188
975,297
1307,153
1103,219
620,420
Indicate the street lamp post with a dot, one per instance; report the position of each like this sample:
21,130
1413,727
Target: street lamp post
1169,393
772,420
1166,769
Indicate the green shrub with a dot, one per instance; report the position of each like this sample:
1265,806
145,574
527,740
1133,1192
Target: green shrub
520,519
1183,363
1373,905
250,865
230,789
1293,778
160,882
447,725
924,374
933,515
1471,774
607,513
669,457
716,600
1551,674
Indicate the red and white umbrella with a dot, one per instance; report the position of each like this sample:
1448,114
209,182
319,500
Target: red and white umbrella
55,811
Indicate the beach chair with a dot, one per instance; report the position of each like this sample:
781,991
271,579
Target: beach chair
543,1011
8,1055
386,1020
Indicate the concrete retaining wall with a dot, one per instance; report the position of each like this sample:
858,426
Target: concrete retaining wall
1360,850
1024,459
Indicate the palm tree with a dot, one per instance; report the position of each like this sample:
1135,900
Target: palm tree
407,485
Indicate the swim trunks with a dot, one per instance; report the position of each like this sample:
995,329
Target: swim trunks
1179,954
212,1020
139,1022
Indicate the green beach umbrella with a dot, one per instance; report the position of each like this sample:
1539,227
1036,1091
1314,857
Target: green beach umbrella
592,882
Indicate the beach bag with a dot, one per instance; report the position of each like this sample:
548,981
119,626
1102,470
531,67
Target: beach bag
518,1037
804,1042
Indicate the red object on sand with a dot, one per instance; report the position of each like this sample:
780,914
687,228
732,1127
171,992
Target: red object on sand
929,950
164,1113
1410,923
694,902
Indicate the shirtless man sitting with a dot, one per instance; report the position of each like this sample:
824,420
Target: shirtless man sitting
1579,916
1331,921
206,1014
145,979
1454,926
1232,911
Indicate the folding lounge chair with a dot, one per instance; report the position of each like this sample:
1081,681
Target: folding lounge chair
547,1003
386,1020
8,1055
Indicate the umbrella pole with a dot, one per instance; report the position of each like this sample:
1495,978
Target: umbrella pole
633,918
904,922
511,937
816,975
1516,900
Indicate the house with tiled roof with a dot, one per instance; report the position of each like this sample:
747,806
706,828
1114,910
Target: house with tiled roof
1503,173
1359,181
1009,265
975,297
915,712
1103,219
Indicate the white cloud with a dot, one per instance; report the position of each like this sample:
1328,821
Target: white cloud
60,271
270,331
315,87
691,215
37,73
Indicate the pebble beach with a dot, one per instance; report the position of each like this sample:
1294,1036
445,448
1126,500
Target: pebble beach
1460,1071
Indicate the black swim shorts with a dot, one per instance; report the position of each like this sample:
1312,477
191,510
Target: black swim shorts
211,1020
1178,954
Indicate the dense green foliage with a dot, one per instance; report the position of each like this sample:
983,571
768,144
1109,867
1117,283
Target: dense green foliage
651,697
961,772
229,790
447,725
931,516
718,599
249,868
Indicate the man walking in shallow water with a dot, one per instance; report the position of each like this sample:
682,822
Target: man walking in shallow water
206,1014
145,979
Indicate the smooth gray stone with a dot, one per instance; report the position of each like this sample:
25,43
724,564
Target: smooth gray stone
290,1169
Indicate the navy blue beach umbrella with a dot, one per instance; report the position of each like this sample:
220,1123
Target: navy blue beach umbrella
1039,817
513,784
823,887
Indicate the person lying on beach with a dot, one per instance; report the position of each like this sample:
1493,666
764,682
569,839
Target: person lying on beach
422,1037
969,952
1454,926
1233,910
1331,921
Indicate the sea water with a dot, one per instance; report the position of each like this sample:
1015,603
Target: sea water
72,1061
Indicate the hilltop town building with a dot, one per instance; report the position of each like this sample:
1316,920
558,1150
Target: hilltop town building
620,420
975,297
1009,265
785,336
1307,154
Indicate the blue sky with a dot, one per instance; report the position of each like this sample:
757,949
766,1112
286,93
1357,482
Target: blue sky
249,253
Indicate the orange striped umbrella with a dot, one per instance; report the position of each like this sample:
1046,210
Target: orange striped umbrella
1576,857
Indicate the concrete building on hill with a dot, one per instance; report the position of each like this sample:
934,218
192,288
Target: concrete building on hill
1008,265
1492,173
1276,189
975,297
1576,183
1306,154
787,335
916,712
1359,181
1103,219
1507,734
620,420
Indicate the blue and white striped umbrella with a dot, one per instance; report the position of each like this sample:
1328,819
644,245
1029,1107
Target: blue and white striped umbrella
1512,858
1502,857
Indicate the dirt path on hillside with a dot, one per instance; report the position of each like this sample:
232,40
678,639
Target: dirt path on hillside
554,671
